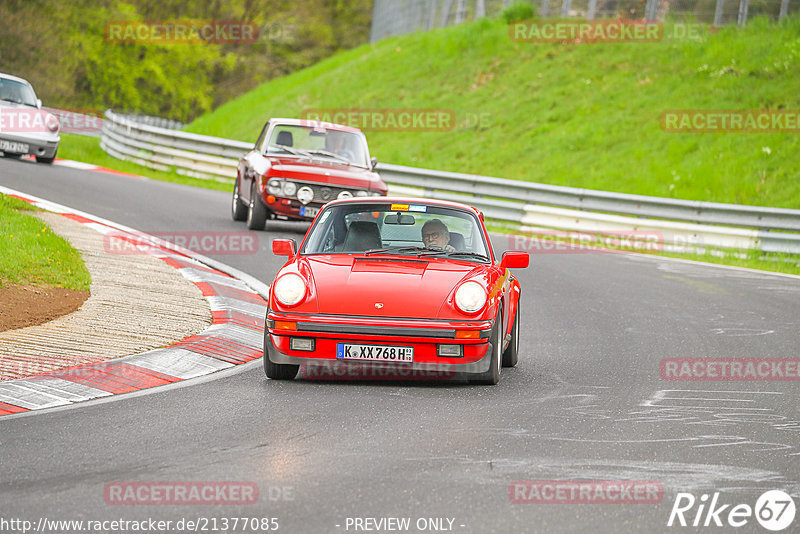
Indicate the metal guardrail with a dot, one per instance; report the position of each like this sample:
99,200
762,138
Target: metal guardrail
200,156
525,205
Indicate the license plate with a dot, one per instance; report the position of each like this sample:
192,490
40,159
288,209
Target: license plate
375,353
10,146
308,211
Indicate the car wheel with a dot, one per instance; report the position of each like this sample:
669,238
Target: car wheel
277,371
47,161
257,212
511,354
238,208
492,376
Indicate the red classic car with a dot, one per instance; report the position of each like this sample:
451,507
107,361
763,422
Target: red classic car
297,166
400,283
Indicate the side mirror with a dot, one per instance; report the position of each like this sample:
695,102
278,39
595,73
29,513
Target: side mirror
39,103
515,260
284,247
373,162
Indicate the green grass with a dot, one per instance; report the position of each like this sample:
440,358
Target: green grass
87,149
582,115
31,254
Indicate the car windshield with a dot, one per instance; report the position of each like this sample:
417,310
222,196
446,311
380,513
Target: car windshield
337,146
16,92
419,230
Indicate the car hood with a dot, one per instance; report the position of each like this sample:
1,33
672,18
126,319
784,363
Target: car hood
337,175
385,287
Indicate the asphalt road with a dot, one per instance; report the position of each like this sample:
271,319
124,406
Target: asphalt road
586,402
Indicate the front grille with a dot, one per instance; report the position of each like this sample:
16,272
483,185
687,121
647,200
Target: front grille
324,193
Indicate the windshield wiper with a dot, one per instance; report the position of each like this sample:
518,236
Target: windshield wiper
295,151
330,155
469,255
394,249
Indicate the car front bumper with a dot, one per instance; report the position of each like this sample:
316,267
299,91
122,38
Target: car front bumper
425,336
41,145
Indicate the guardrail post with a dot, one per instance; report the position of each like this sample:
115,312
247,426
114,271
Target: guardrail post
448,4
461,11
431,14
592,10
718,12
743,7
784,9
651,9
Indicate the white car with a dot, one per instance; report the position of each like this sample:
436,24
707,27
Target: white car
25,128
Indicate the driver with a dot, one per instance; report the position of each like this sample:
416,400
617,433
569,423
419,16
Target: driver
436,235
336,143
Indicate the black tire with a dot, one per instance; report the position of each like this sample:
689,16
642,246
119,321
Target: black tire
256,212
47,161
11,156
511,354
276,371
492,376
238,208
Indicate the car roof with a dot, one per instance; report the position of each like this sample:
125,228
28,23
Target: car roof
314,122
14,78
405,200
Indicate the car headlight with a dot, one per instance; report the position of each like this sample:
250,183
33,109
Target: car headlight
289,188
345,194
361,193
470,297
375,194
290,289
305,194
52,123
274,187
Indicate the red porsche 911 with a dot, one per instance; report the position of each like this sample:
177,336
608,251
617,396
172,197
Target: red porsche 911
407,284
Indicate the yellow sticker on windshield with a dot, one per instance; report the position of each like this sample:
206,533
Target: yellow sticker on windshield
399,207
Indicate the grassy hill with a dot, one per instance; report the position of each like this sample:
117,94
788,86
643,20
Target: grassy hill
576,114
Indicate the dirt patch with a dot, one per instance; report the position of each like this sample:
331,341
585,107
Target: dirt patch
22,306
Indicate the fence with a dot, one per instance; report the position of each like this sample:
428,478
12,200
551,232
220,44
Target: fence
399,17
523,205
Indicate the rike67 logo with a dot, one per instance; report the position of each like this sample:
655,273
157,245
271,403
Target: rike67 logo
774,510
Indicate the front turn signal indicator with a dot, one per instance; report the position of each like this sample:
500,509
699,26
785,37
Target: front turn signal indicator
468,334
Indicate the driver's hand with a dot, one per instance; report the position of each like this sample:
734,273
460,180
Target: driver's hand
449,248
